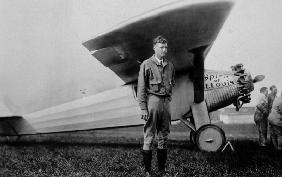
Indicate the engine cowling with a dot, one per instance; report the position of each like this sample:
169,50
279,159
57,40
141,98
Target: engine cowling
223,88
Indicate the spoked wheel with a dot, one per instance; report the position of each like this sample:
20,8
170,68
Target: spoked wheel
193,136
210,138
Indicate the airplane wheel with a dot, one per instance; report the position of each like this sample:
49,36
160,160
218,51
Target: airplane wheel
193,136
210,138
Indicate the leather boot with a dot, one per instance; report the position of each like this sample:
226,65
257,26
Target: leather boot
147,158
162,157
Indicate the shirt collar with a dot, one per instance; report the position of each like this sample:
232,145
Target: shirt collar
158,61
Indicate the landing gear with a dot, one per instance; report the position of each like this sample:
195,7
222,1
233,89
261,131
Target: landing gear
210,138
206,136
193,136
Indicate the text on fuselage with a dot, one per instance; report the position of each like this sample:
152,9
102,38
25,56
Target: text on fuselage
217,80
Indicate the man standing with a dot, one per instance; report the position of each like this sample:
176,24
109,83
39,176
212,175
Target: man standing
155,82
271,97
275,123
260,116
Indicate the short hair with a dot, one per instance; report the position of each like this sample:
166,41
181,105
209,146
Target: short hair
272,87
263,89
159,39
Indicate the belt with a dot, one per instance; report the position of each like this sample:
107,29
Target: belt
161,96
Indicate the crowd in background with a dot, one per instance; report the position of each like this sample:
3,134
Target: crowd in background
268,116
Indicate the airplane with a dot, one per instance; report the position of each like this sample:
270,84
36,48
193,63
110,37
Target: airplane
191,29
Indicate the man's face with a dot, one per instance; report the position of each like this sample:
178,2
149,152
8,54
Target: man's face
274,90
265,92
160,50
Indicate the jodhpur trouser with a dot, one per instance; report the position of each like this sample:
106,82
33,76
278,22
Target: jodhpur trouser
158,122
262,124
276,136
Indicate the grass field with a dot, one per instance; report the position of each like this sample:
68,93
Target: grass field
117,153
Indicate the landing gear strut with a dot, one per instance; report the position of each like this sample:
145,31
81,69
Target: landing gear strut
207,137
193,136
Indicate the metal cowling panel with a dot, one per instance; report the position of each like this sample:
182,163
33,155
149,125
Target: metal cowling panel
222,97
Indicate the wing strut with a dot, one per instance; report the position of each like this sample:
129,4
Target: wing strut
199,108
198,75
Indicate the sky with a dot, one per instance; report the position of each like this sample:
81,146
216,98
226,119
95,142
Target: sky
43,64
252,35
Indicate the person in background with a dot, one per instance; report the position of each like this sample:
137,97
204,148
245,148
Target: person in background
275,123
260,116
271,97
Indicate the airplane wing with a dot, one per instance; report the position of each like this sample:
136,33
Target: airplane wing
186,25
189,27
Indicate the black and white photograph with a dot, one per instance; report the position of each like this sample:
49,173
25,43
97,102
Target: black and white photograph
139,88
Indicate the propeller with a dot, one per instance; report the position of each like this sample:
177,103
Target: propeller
258,78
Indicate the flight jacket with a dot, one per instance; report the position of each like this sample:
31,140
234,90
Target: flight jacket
275,117
155,79
270,99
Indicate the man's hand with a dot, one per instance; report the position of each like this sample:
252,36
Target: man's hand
144,115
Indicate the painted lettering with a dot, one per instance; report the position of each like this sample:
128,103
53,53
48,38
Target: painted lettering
211,77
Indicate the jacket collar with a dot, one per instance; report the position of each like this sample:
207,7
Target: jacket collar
153,58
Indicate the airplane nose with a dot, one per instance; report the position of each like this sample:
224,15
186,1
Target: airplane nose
245,84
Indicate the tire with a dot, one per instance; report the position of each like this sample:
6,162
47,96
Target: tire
210,138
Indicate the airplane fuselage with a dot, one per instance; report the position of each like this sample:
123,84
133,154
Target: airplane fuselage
119,107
